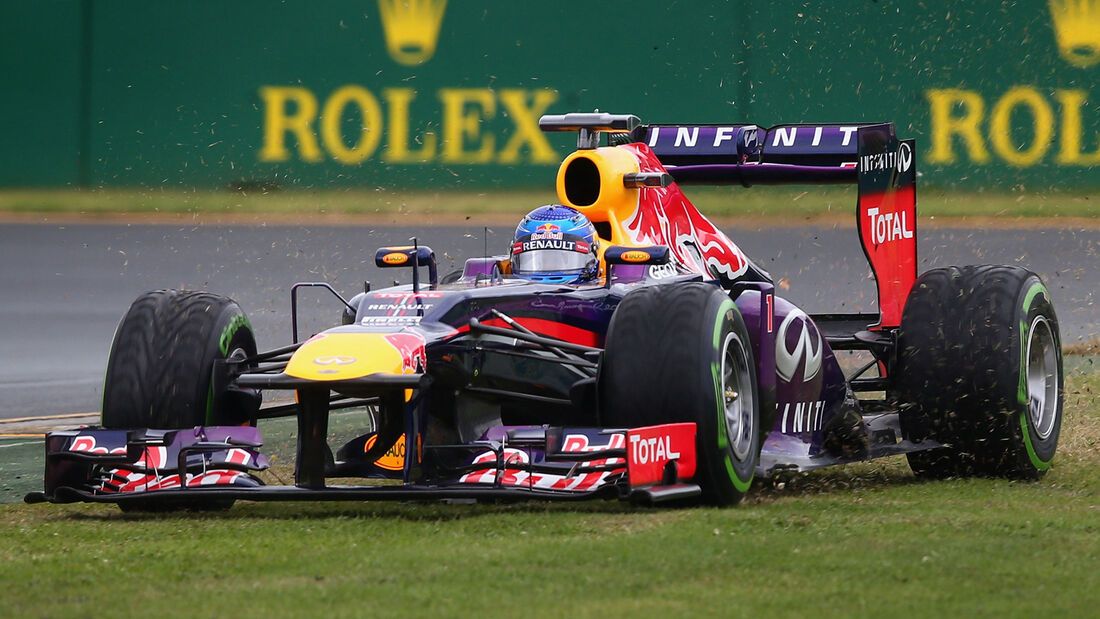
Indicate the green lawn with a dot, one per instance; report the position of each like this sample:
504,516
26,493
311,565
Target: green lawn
779,202
863,540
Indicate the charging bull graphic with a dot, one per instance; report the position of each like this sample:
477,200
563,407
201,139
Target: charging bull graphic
674,221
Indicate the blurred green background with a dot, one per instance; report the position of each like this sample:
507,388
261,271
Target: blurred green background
398,94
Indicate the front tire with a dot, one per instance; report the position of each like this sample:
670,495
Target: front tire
980,370
681,353
161,361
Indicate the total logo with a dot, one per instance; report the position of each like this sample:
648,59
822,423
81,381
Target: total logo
402,295
652,449
797,343
886,227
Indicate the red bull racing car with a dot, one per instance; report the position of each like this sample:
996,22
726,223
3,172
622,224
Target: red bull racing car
624,347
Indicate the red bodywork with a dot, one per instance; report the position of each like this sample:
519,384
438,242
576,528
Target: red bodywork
666,217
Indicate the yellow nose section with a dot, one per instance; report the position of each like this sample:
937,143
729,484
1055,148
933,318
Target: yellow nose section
342,356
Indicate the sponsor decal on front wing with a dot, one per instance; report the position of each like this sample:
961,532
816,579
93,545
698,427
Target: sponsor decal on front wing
155,459
651,449
517,463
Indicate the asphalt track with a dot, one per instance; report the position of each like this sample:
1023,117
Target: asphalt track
63,288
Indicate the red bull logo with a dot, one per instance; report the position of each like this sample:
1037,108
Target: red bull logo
87,444
547,231
411,346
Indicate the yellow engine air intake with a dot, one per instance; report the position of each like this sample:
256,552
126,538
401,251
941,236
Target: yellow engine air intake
591,181
342,356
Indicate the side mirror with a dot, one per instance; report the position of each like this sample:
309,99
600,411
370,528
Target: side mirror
415,256
640,256
650,254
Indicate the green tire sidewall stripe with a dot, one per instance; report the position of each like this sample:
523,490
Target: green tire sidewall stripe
742,485
1036,461
238,321
235,324
1036,289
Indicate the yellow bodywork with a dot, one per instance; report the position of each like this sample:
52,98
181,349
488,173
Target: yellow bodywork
342,356
615,203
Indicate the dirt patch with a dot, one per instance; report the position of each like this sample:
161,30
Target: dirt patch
1083,349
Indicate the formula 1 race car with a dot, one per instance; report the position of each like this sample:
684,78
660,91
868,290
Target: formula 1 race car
670,371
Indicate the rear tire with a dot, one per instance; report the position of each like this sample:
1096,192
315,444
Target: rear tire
159,369
681,353
980,370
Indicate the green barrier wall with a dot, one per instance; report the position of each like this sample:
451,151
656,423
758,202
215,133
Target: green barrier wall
428,93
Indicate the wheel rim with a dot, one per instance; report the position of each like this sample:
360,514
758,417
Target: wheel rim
1042,377
737,397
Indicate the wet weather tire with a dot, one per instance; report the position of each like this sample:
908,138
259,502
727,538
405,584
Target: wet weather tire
159,370
980,370
681,353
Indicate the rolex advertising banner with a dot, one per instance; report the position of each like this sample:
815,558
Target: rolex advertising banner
999,95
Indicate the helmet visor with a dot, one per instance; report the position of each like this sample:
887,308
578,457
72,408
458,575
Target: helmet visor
549,261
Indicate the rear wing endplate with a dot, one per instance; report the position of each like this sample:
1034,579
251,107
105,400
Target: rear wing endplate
886,214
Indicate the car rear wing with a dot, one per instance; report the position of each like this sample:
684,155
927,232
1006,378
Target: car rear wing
741,154
868,155
751,155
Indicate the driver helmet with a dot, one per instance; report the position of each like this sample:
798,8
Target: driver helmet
555,244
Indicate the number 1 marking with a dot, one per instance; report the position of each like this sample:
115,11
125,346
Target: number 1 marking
768,301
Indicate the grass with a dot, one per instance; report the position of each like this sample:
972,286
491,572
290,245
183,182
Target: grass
864,539
774,202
